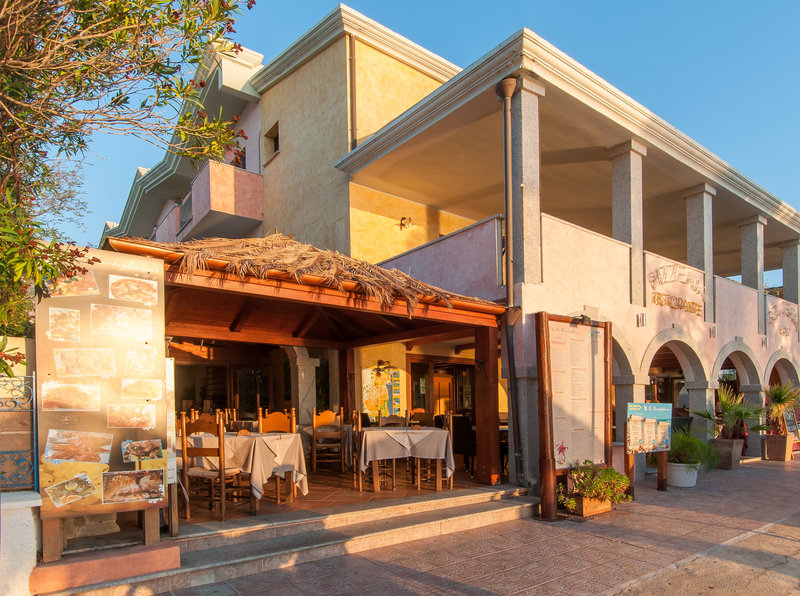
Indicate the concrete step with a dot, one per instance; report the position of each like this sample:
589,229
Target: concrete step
208,535
311,540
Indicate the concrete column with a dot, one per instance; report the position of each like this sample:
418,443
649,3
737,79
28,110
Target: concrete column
525,181
752,233
791,270
18,518
754,394
304,384
699,240
629,389
701,397
626,208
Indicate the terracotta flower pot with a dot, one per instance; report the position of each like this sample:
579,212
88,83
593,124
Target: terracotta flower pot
778,447
584,506
729,452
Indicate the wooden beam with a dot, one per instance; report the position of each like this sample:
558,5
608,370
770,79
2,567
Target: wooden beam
307,323
439,337
251,336
487,418
172,299
338,330
347,374
470,314
241,317
408,334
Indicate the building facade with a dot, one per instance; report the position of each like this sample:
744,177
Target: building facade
363,142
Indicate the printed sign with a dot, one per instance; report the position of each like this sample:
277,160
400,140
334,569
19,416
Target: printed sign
648,427
100,371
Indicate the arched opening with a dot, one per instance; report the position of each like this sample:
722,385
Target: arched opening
737,371
671,366
782,372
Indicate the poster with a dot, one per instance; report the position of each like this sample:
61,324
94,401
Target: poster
648,427
103,399
380,391
577,375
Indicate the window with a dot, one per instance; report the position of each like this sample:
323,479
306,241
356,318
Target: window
272,143
185,211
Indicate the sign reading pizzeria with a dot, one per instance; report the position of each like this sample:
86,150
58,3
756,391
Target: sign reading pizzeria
100,375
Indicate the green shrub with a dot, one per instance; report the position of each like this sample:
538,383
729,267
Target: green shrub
686,448
593,482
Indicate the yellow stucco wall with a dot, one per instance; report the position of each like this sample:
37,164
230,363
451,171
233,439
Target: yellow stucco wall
385,88
304,194
375,224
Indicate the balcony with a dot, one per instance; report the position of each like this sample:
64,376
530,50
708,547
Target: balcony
225,201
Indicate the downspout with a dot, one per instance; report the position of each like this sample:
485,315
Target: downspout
351,43
505,89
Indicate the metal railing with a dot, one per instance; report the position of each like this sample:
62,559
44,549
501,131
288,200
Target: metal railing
18,469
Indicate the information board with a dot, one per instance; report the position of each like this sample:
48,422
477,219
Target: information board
648,427
791,425
578,388
102,399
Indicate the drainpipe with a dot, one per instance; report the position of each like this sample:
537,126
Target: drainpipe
505,89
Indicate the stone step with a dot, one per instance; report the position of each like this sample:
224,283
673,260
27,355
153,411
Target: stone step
236,531
217,563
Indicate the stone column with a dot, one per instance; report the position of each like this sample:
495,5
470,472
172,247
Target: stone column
791,270
701,397
629,389
754,394
626,208
18,518
304,383
525,181
752,232
699,240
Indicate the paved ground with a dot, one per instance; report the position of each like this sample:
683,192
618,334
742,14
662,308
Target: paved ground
736,532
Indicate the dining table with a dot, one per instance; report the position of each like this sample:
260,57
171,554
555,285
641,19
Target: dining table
262,456
396,442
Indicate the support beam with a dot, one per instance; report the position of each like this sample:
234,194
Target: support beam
752,236
347,376
626,208
487,419
699,240
307,323
526,181
237,324
791,270
441,331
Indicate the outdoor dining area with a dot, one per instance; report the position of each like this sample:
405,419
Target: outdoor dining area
274,465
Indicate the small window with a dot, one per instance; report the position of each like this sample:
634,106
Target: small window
272,143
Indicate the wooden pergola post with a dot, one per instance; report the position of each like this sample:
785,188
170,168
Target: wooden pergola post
487,418
347,373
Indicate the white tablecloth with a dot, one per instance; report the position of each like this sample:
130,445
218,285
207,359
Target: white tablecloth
379,443
261,456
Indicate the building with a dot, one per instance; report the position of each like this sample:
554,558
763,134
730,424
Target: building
363,142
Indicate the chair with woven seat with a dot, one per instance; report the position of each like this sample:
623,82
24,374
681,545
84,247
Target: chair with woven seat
391,420
220,482
327,443
277,422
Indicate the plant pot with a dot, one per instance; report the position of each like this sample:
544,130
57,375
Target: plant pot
729,452
584,506
778,447
681,475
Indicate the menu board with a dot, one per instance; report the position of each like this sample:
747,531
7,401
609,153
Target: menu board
102,396
577,375
649,427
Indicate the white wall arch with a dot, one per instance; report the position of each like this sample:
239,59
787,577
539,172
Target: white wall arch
743,358
685,349
782,361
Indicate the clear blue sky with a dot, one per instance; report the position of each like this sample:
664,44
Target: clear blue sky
723,72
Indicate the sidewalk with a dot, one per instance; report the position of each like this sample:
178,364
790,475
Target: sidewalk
632,550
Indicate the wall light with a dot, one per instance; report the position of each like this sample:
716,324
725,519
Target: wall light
405,222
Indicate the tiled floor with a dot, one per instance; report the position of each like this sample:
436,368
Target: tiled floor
528,556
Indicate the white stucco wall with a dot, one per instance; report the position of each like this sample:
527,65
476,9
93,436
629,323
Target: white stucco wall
17,541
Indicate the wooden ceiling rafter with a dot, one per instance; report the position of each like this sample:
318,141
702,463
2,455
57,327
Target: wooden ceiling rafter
244,312
409,335
439,337
307,323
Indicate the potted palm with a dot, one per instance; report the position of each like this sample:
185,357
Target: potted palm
687,454
591,489
731,421
780,399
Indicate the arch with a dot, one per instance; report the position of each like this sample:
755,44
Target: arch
685,349
782,361
743,358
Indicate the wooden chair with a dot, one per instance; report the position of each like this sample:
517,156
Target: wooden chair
277,422
357,433
218,481
328,445
462,438
419,416
391,420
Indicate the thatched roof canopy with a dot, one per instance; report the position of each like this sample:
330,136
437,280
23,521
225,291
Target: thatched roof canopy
280,257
